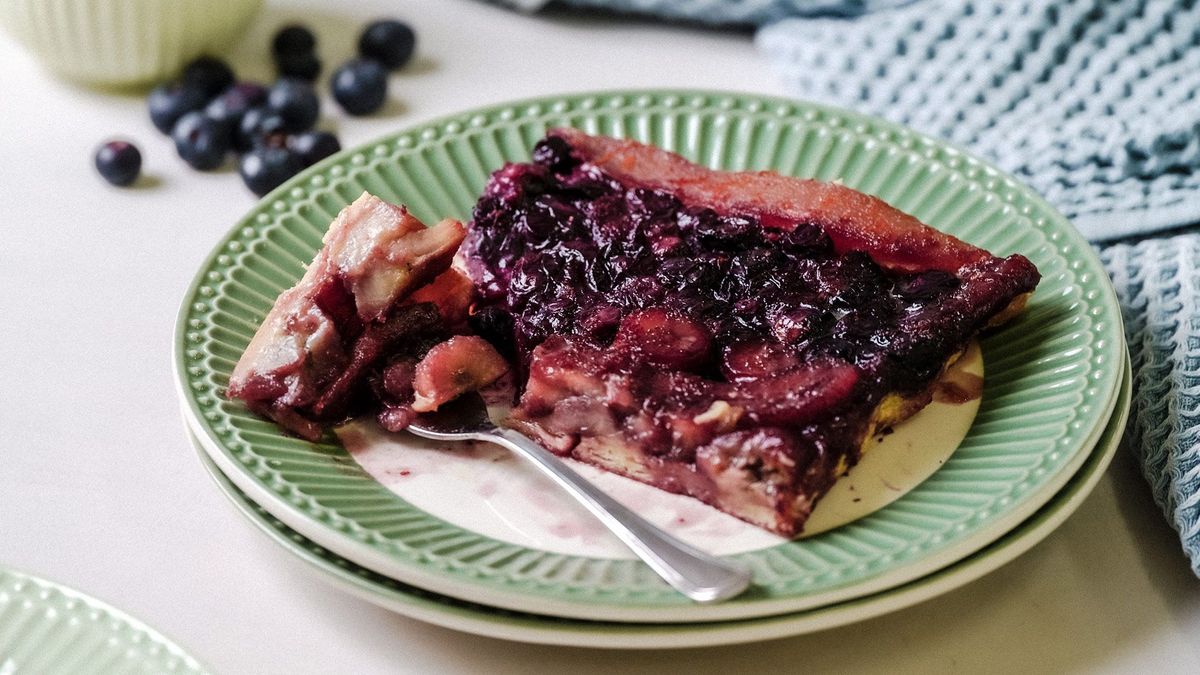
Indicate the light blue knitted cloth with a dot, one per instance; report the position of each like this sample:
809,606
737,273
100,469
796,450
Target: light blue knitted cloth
1158,284
1094,103
744,12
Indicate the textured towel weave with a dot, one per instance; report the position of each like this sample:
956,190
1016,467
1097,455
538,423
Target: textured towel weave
754,12
1158,284
1094,103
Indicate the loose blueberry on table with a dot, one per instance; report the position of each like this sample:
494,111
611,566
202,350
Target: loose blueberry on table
294,49
306,67
119,162
244,117
292,40
360,86
259,126
168,102
201,141
391,43
296,102
208,74
313,146
208,113
266,167
231,105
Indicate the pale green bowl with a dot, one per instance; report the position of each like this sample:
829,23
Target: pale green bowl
124,42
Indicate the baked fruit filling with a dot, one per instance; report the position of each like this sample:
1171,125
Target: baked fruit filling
737,337
361,324
732,336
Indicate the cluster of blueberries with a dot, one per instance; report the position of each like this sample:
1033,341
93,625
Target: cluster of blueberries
208,113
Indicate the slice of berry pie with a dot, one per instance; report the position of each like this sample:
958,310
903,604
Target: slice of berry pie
736,337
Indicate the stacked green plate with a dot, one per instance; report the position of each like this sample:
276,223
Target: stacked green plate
482,620
49,628
1053,380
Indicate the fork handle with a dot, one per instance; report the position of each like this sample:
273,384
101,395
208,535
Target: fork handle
698,575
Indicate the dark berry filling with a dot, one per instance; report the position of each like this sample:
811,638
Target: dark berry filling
567,250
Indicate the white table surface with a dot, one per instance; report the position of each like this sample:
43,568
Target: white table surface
100,490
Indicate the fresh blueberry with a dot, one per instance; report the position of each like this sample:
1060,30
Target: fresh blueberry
200,141
119,162
169,102
294,39
360,86
314,146
296,103
265,168
259,126
391,43
229,108
299,66
211,75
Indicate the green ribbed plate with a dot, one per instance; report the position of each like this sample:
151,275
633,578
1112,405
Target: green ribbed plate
48,628
1051,385
472,618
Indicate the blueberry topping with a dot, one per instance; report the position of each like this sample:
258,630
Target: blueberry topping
553,153
209,74
313,146
119,162
299,66
201,141
360,86
296,103
169,102
564,247
389,42
265,168
292,40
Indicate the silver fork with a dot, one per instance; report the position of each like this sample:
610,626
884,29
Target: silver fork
696,574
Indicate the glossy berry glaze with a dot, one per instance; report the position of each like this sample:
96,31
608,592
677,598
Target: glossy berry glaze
707,352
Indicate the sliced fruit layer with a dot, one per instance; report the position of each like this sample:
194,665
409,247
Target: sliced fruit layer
452,368
312,358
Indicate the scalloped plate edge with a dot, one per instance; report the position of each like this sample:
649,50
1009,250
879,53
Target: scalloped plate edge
521,599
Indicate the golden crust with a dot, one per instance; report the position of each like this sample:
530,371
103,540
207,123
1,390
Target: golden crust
1012,311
